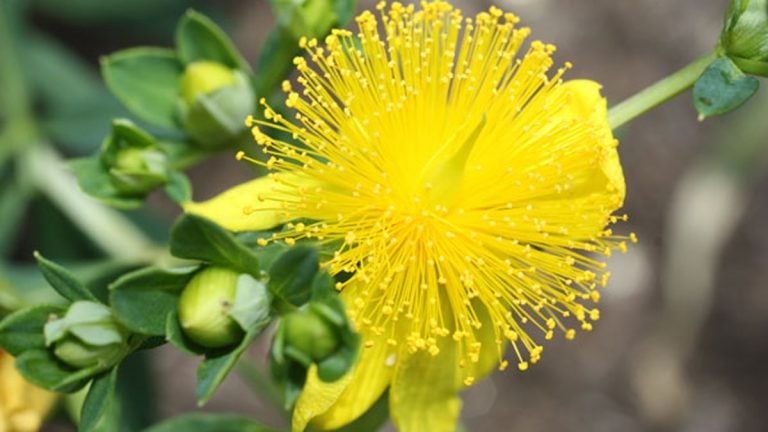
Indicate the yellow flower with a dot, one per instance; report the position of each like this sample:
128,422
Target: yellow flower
467,190
22,405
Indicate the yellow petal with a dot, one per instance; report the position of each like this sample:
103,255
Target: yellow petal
316,398
251,206
23,406
423,396
588,104
333,405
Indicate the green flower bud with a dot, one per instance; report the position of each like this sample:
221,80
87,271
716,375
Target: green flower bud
745,33
88,335
135,163
214,103
205,305
204,77
78,354
311,334
309,18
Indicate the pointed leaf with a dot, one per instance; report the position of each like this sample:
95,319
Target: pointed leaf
23,330
217,365
64,282
40,367
99,401
147,81
291,275
722,88
198,38
194,237
142,300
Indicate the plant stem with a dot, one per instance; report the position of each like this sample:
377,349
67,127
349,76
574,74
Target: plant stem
45,168
658,93
110,230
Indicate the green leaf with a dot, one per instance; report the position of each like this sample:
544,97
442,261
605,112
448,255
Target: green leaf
23,330
722,88
194,237
201,422
94,180
178,188
198,38
175,335
147,81
40,367
142,300
291,275
99,401
217,365
64,282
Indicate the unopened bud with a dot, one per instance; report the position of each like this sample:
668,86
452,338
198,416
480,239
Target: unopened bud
745,33
311,334
205,305
135,163
88,335
204,77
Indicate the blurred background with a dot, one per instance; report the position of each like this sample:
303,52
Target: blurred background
681,345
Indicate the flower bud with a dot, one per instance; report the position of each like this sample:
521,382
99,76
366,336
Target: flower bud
311,334
204,77
135,163
88,335
214,102
309,18
204,308
745,34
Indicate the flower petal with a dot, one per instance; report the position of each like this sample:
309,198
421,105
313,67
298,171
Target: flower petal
316,398
244,207
371,376
424,395
588,104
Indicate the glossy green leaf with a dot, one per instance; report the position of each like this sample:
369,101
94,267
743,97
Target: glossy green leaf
201,422
722,88
198,38
63,281
218,363
94,180
194,237
147,81
98,402
142,300
40,367
23,330
178,188
291,275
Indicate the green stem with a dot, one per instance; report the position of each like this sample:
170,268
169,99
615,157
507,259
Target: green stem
659,92
110,230
107,228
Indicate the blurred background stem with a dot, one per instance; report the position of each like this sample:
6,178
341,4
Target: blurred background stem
659,92
45,170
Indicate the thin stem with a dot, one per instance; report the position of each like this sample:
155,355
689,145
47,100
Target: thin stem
658,93
109,229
